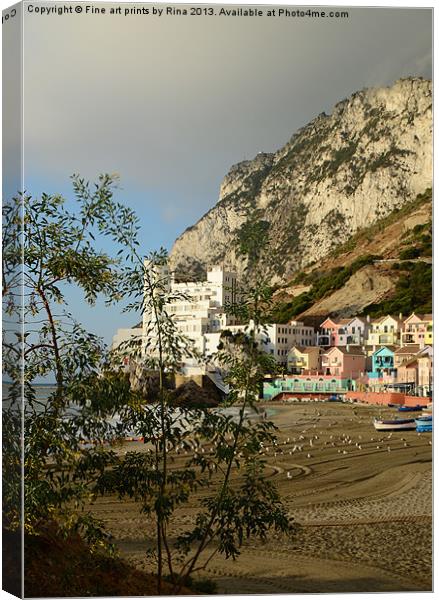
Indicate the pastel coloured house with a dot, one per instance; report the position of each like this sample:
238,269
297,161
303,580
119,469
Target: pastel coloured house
327,334
404,353
347,362
417,329
384,331
383,364
416,373
357,330
304,359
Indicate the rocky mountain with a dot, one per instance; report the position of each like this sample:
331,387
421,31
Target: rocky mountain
337,175
386,267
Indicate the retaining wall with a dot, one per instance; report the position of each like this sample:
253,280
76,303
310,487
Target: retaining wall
387,398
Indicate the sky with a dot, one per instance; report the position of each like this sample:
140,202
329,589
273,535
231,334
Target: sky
170,103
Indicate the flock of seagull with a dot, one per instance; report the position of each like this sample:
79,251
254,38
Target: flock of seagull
305,443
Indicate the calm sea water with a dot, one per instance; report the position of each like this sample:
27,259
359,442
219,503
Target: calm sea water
43,391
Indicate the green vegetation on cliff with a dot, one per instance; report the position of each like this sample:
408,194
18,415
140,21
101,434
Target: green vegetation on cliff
413,292
413,289
322,284
368,233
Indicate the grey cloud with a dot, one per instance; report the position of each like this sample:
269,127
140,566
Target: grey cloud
174,102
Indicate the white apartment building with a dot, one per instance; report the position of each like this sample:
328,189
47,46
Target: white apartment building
126,335
201,310
278,339
197,308
281,338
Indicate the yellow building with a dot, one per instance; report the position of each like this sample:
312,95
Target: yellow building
384,331
301,359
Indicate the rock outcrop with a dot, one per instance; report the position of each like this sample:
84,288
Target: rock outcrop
335,176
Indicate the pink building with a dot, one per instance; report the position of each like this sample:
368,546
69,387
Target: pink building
341,332
417,329
404,353
417,372
347,362
327,334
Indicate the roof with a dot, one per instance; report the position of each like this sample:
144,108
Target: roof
421,317
308,349
298,348
390,347
381,319
409,361
362,319
409,349
334,321
418,356
350,350
305,349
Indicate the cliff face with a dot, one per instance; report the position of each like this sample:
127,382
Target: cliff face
336,175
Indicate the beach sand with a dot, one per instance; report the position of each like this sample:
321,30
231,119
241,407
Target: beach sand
362,500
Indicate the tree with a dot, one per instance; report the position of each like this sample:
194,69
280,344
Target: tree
234,508
69,454
47,248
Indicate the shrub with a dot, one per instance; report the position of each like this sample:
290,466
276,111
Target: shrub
409,253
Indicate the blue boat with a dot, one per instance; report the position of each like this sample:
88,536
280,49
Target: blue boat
424,423
410,408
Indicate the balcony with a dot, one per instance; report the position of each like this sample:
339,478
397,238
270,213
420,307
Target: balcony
297,362
387,338
383,363
408,338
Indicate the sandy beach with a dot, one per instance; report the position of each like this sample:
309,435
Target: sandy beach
362,500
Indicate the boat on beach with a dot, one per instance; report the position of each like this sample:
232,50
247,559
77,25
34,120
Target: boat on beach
424,423
394,424
416,408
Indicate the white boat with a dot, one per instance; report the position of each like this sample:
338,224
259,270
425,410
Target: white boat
394,424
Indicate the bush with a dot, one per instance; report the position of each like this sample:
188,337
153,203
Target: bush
413,293
409,253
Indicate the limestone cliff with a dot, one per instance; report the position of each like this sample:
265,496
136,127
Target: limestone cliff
335,176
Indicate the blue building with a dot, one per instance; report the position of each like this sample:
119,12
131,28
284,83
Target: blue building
383,363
